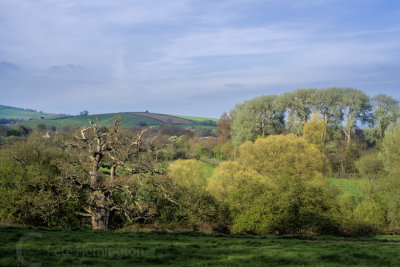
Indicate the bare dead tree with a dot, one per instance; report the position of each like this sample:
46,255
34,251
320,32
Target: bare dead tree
95,142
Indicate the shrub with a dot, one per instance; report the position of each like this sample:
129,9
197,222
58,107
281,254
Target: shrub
277,185
190,205
287,204
32,189
279,155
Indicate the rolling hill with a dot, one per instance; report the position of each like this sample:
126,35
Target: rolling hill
32,119
128,120
21,114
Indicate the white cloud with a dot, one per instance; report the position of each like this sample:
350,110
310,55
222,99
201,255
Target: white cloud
148,51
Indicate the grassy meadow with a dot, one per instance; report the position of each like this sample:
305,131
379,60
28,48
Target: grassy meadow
195,119
349,186
128,120
49,247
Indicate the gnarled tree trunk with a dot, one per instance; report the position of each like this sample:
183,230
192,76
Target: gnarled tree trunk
99,205
100,210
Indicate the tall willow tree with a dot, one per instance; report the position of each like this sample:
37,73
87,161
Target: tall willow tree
386,111
356,108
260,116
328,103
299,105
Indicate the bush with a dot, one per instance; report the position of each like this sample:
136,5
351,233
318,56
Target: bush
277,185
32,189
360,219
279,155
190,205
287,205
224,151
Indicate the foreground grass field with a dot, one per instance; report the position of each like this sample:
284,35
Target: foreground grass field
23,246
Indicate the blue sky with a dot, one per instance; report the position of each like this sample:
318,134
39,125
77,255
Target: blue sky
191,57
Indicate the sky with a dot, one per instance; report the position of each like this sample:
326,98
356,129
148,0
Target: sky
191,57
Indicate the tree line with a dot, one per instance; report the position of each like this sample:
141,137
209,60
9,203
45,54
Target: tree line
346,113
342,109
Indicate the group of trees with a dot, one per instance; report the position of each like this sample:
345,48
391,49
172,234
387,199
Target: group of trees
344,120
266,170
342,109
102,176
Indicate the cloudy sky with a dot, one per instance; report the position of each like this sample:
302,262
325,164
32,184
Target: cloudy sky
193,57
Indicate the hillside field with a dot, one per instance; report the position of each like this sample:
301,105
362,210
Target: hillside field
50,247
195,119
128,120
19,113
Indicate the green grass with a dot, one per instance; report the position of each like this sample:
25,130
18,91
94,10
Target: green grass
19,113
107,248
350,186
209,169
196,126
194,119
128,120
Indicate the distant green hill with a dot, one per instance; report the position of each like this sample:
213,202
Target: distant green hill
128,120
196,119
19,113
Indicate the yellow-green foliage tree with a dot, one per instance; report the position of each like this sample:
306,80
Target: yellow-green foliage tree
190,174
287,204
195,208
315,130
390,154
228,177
279,155
276,185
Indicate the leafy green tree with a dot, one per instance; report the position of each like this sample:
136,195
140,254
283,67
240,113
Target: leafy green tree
188,173
223,131
224,151
260,116
283,155
33,186
390,149
299,103
380,208
287,204
315,130
195,207
276,185
356,107
328,103
228,177
390,155
386,111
